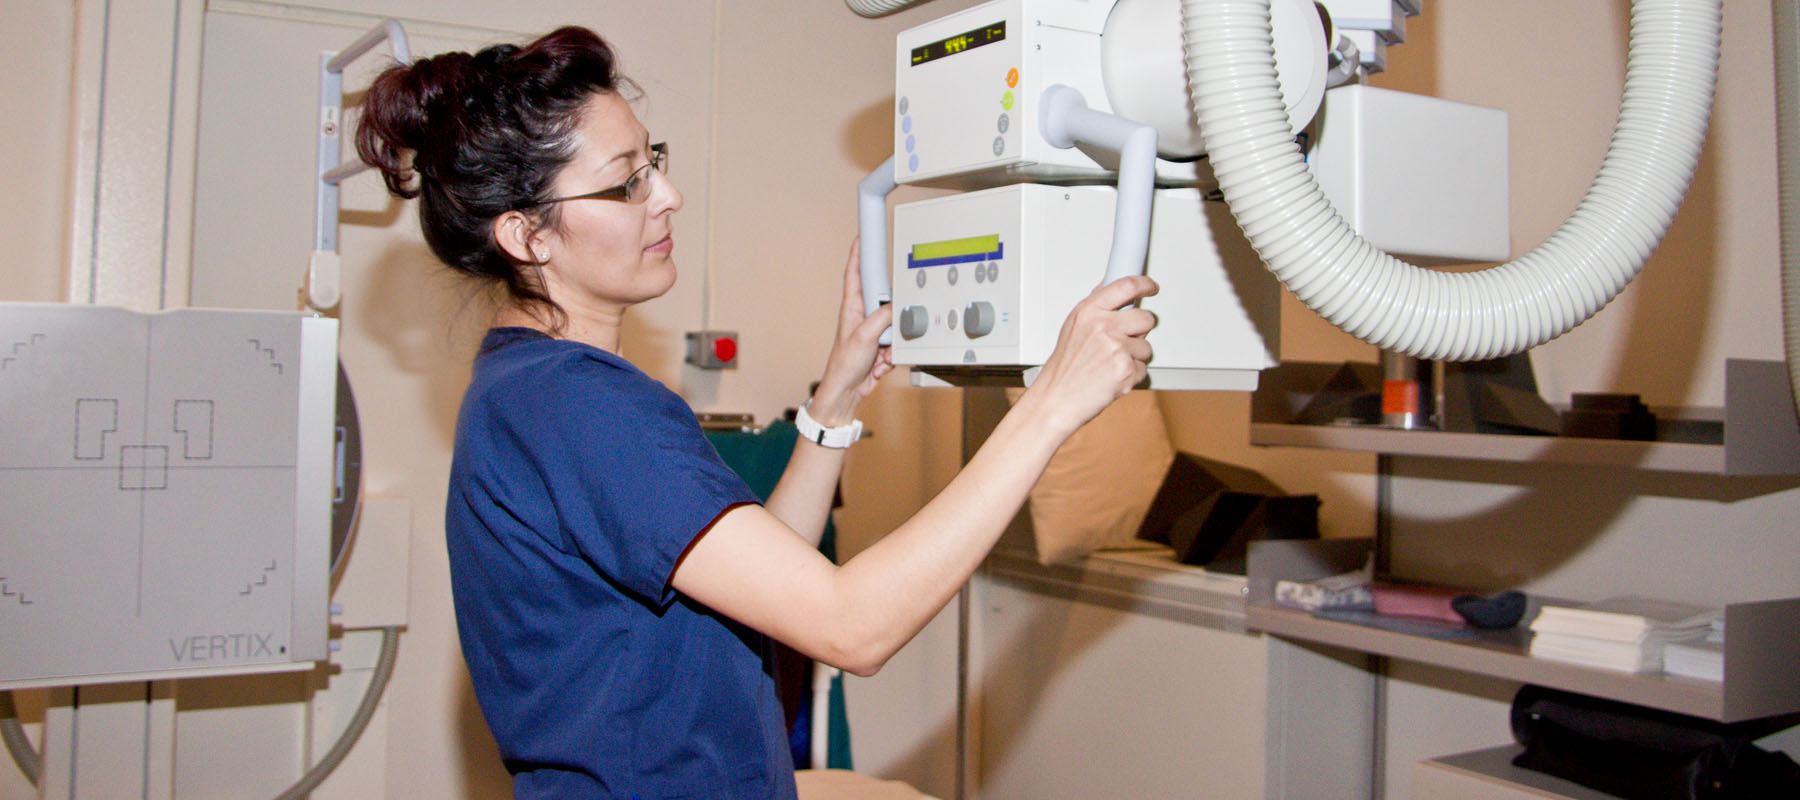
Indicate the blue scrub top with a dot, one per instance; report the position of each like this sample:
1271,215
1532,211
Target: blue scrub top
576,485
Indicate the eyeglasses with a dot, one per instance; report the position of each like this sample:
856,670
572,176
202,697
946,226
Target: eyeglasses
635,188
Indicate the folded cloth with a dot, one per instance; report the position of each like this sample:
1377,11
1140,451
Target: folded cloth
1310,596
1408,600
1348,590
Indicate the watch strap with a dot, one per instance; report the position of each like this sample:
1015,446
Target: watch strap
839,437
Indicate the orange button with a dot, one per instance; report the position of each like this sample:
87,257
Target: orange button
1012,78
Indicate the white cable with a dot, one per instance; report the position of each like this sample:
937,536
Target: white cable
1396,306
30,764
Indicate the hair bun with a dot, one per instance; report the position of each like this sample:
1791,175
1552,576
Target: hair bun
403,106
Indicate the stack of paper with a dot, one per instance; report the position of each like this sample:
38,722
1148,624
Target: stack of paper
1627,633
1702,658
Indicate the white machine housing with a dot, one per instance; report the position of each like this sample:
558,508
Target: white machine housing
967,86
983,281
1420,177
168,492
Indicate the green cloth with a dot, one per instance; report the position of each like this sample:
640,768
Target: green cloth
759,457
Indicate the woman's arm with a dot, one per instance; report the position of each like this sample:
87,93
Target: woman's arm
802,498
750,565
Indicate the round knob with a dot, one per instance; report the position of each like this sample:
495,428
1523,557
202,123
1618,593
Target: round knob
914,321
978,319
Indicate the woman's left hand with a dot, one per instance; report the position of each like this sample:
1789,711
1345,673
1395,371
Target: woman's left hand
857,359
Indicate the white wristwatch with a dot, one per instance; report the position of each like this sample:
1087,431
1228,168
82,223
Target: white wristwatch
839,437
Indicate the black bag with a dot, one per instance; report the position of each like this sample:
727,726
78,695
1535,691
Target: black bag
1645,754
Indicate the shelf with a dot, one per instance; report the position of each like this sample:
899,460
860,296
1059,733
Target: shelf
1660,456
1490,774
1144,581
1762,646
1755,434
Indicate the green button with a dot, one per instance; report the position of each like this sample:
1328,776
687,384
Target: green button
1006,101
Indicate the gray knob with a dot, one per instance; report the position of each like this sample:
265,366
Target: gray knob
914,321
978,319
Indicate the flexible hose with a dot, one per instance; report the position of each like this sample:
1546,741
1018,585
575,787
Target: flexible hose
16,742
1453,316
879,8
32,765
384,669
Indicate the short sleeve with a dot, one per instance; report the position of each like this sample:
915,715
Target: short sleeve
631,477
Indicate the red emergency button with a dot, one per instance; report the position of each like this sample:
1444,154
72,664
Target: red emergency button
712,349
724,349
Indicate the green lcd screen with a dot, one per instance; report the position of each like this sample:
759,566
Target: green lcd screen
987,34
954,251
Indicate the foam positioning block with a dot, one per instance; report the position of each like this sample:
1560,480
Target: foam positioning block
1208,512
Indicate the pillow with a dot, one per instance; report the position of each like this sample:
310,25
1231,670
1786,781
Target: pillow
1099,485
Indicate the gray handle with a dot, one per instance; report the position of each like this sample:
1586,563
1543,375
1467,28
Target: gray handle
1065,120
871,226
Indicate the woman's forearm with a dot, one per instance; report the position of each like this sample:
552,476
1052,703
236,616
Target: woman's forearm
803,496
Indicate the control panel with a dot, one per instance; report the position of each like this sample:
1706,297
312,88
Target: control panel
985,279
967,87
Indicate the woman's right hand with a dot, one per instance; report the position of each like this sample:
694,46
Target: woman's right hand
1100,354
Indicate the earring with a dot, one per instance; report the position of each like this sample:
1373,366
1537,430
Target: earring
543,256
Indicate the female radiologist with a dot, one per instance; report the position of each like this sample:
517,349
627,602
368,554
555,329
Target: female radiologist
614,582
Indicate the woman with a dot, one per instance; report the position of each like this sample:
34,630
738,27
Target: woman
614,582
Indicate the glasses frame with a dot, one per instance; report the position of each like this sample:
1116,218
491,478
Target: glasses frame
659,161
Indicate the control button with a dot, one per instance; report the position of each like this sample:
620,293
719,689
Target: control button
999,145
978,319
1006,101
1004,123
993,272
914,321
951,277
980,274
912,162
919,277
903,106
909,143
725,349
950,319
906,124
1012,78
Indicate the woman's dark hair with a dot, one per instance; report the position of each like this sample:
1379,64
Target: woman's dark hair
487,133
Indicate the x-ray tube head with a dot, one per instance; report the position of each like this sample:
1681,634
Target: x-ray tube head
1146,78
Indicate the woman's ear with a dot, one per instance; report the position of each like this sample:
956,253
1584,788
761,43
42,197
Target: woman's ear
516,235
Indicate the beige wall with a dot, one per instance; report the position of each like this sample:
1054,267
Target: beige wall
775,110
1709,293
767,106
34,126
34,147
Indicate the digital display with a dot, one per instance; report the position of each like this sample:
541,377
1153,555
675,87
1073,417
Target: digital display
954,251
987,34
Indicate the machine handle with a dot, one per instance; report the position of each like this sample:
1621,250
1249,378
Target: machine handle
871,224
1066,119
